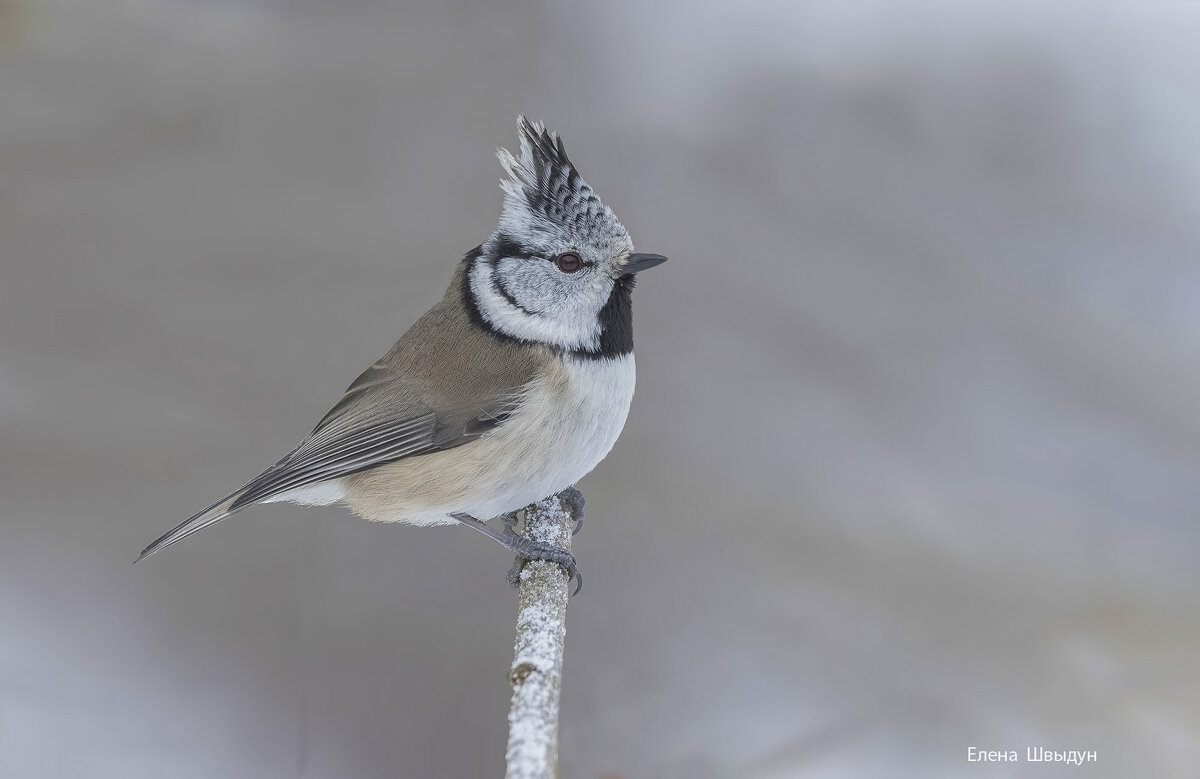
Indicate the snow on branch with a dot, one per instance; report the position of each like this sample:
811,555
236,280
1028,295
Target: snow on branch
536,673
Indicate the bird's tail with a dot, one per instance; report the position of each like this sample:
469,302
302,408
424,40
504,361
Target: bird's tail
211,515
247,495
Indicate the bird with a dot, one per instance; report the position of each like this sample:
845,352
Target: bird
511,388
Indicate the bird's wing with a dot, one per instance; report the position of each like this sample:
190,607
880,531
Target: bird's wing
395,409
374,424
349,444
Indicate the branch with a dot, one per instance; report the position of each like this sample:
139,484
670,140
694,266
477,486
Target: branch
536,673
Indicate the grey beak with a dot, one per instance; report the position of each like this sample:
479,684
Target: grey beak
640,262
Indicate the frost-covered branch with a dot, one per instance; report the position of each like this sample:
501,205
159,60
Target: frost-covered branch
536,673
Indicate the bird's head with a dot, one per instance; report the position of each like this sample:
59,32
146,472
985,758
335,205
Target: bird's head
559,267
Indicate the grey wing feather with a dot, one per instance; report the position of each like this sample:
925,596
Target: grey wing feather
353,449
349,440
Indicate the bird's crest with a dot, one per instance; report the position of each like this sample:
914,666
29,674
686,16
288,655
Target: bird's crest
544,190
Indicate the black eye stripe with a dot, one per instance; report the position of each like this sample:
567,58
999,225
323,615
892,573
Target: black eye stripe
504,245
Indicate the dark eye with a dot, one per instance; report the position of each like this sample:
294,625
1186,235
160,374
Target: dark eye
568,262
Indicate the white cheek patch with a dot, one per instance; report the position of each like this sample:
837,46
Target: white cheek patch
572,329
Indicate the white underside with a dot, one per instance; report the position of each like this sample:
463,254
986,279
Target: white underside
320,494
565,427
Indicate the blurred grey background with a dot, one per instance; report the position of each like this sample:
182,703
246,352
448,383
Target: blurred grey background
912,465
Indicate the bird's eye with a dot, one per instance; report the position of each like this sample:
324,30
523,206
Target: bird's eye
568,262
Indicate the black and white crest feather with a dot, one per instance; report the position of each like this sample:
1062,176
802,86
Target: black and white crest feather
545,194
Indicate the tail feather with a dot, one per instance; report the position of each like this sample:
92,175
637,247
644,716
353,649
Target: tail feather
211,515
226,506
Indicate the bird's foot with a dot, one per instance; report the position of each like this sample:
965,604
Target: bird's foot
575,504
527,550
510,521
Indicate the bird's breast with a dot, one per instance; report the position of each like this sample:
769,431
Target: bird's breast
569,419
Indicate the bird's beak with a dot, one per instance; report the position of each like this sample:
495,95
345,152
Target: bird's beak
640,262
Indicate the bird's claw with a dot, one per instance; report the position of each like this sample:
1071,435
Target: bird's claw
510,522
575,503
528,550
